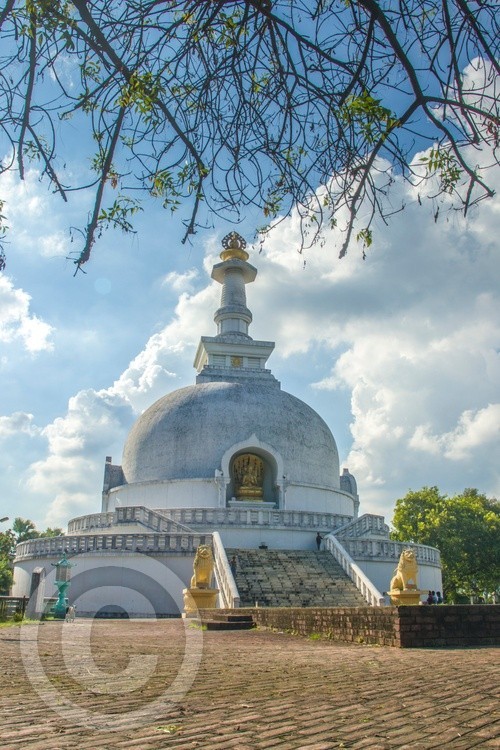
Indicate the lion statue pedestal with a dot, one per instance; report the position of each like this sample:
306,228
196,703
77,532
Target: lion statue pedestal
403,590
200,595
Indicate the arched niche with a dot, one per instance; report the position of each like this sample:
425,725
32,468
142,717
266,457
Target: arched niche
272,461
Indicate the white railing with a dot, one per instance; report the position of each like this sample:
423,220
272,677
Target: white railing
369,592
386,550
93,521
267,517
111,543
366,525
225,580
153,519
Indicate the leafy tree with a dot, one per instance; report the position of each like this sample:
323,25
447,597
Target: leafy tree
52,532
24,529
275,104
465,528
7,541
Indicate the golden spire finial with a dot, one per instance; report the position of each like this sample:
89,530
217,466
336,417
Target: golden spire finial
234,247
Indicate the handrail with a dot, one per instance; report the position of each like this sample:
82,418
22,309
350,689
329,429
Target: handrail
365,525
112,543
152,518
380,550
369,592
262,517
225,579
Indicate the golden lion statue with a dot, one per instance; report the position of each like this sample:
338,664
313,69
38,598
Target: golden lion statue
405,572
203,567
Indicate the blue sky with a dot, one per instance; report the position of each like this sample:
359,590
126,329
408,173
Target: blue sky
399,353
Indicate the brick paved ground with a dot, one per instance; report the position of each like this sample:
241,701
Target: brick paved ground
252,690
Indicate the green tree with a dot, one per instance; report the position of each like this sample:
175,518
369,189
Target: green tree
52,532
7,542
310,105
24,529
465,528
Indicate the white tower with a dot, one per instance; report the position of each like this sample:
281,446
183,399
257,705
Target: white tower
232,353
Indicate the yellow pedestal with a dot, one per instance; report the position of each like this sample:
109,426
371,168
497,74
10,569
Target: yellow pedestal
405,597
195,599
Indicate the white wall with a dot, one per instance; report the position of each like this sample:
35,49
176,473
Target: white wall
318,499
204,493
174,493
250,538
140,584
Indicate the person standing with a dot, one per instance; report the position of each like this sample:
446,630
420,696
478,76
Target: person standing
319,539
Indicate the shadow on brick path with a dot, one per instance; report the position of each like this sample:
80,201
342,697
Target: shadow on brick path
144,685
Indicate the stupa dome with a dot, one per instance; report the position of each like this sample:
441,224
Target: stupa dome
185,434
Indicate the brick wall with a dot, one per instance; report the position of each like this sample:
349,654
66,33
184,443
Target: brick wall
404,627
461,625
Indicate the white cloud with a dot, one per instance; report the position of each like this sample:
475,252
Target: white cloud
181,282
475,429
18,323
18,422
95,423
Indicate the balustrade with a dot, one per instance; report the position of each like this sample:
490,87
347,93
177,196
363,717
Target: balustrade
114,543
370,593
388,550
366,525
225,579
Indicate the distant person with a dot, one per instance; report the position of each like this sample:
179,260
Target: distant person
233,565
70,614
439,597
430,600
319,539
434,598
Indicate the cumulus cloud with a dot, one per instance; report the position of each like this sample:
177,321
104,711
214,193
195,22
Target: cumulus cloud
95,423
18,423
181,282
17,322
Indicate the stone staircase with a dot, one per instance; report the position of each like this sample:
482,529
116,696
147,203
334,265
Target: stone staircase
292,578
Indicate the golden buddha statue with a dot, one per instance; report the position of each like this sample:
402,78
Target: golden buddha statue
248,477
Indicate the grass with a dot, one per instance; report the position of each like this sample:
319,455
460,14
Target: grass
14,623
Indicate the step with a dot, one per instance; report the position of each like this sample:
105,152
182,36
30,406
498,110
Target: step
224,617
228,625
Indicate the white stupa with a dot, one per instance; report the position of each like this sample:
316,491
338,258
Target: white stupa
235,415
232,461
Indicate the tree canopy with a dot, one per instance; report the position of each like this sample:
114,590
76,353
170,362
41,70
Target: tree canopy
214,106
22,530
466,530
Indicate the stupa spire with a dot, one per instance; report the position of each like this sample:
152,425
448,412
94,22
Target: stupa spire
232,353
233,316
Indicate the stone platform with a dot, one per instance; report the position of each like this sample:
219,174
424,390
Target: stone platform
252,690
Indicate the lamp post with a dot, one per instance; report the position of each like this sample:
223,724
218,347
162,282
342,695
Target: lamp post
63,580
